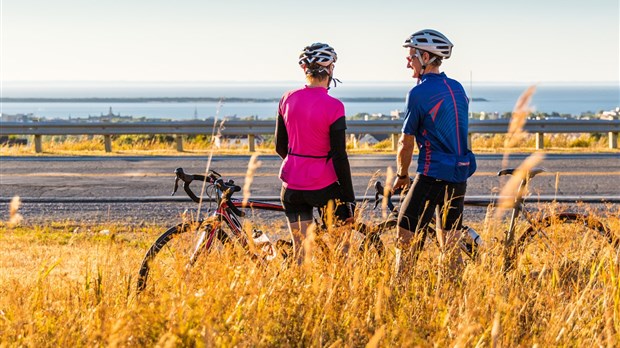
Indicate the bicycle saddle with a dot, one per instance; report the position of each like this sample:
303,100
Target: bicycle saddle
530,174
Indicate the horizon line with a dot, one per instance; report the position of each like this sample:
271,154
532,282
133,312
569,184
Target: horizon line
297,81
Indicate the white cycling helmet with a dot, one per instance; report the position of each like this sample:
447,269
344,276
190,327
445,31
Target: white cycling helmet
432,41
319,53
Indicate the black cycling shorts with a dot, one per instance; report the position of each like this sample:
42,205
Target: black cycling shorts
299,204
426,193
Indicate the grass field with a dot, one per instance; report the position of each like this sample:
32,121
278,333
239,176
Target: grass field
71,284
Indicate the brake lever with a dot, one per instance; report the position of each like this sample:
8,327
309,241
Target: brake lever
379,191
216,173
378,194
176,186
179,173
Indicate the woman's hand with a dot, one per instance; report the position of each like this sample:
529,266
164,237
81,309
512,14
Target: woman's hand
351,207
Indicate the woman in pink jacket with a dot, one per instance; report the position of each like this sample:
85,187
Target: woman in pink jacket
310,138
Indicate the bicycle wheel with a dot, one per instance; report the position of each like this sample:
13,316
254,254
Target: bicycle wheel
567,242
174,252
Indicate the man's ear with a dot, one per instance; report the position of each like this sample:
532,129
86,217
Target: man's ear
426,57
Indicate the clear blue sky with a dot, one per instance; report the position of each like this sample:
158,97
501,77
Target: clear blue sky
251,40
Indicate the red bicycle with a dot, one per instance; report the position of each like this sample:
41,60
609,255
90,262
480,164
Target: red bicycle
183,244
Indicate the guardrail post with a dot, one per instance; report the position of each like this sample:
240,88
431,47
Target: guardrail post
251,142
107,143
395,138
540,141
38,148
613,140
469,141
179,138
353,139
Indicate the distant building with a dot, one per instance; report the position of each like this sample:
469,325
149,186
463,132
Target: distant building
110,117
397,114
489,116
611,115
18,118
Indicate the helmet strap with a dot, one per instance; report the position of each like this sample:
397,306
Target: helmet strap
419,56
421,60
332,79
335,80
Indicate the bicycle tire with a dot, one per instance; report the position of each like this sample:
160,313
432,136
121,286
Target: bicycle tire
181,253
574,238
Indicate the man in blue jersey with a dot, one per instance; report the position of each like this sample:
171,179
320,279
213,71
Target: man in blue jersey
435,119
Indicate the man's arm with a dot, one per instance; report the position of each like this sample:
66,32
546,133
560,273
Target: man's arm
406,144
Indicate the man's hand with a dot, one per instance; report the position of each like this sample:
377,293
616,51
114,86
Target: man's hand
401,184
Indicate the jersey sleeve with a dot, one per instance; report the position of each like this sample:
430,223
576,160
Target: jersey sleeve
281,138
338,111
338,154
280,111
412,115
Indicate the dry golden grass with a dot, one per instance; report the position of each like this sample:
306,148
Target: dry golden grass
74,285
481,143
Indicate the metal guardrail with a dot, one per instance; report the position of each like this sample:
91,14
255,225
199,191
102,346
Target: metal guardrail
257,127
260,127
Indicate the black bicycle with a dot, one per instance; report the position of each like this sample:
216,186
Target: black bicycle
563,235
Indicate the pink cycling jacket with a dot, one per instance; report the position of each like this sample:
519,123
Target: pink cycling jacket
308,114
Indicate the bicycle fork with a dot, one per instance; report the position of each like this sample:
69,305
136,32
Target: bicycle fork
202,243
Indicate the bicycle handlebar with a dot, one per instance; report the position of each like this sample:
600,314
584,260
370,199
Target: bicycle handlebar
226,188
380,191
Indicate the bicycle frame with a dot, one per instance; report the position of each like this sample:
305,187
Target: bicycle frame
229,209
225,214
517,209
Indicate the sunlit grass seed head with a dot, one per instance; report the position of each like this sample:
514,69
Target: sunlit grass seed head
15,218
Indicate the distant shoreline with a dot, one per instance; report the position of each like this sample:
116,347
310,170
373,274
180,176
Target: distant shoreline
193,100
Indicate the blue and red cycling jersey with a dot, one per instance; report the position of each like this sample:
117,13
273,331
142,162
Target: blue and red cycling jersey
436,114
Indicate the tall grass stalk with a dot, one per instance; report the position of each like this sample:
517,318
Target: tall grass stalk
215,129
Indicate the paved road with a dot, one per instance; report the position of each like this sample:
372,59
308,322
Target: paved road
570,174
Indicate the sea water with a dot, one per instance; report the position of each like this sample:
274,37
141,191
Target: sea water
563,98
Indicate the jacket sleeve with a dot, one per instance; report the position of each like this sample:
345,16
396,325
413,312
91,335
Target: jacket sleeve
338,154
281,137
